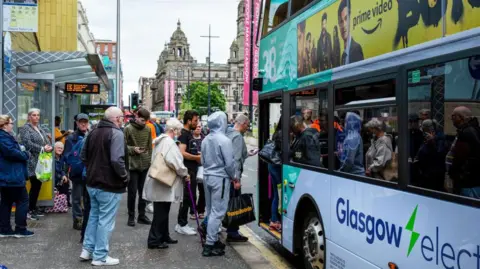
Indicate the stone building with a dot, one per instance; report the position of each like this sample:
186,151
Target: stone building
176,63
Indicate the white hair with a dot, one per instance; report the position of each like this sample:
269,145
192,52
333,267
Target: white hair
113,112
173,124
375,123
33,110
241,119
59,144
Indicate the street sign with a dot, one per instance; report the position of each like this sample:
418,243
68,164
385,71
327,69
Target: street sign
82,88
18,17
474,67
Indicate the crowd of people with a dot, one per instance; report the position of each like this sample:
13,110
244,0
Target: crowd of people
96,164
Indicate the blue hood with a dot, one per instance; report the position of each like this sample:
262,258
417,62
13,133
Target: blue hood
352,150
217,122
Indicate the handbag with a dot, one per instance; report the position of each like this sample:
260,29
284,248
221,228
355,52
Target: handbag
269,154
60,204
390,171
200,174
161,172
43,169
240,211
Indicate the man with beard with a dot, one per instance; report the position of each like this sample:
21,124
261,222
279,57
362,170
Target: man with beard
352,51
324,47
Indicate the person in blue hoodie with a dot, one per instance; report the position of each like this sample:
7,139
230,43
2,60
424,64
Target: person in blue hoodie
13,175
218,172
351,157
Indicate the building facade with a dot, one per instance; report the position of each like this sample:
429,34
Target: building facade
107,49
177,64
145,92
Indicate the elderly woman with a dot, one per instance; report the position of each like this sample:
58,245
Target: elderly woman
160,194
13,173
380,151
35,140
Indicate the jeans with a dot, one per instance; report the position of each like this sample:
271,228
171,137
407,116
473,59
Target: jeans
159,232
86,211
233,230
471,192
137,180
36,185
187,203
19,196
77,196
276,176
104,206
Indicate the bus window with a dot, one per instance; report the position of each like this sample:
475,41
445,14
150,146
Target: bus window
308,132
276,11
444,143
297,5
366,130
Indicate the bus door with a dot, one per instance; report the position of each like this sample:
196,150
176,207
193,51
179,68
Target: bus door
269,182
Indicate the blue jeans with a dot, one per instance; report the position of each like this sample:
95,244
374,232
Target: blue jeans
276,175
104,206
19,196
471,192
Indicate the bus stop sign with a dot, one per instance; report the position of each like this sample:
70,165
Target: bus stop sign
474,67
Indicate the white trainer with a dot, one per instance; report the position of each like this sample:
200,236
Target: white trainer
184,230
149,208
86,256
108,262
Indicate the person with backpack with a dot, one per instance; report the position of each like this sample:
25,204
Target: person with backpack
73,148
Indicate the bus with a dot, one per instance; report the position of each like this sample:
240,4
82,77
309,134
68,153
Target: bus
381,86
164,115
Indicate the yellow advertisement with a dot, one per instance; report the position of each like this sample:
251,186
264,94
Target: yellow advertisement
349,31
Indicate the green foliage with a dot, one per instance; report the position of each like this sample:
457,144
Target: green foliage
198,92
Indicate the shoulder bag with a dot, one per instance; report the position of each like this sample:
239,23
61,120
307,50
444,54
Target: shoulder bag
161,172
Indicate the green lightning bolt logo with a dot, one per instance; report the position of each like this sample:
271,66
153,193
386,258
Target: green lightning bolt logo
409,227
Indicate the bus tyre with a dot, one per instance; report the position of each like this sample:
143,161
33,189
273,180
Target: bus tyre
313,242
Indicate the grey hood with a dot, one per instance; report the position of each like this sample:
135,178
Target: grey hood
217,122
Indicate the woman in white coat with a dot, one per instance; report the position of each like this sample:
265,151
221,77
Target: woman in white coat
161,194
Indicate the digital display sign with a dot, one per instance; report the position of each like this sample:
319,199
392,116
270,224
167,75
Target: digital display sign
82,88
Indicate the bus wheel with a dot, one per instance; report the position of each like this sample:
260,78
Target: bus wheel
313,243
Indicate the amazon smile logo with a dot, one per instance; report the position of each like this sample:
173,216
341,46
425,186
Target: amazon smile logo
381,7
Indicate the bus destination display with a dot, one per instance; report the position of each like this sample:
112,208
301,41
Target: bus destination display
82,88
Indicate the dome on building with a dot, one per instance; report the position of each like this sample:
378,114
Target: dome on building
179,34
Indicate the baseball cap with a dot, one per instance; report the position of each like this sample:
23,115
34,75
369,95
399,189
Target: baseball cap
82,116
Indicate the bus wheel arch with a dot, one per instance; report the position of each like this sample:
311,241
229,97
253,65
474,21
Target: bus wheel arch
309,234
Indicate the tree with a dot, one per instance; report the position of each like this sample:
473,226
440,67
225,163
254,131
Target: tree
199,97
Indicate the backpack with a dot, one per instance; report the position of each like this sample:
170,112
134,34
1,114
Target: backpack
75,165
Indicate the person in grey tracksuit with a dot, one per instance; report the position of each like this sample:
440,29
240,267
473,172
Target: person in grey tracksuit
219,171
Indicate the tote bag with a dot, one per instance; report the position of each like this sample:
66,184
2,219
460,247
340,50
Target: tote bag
160,171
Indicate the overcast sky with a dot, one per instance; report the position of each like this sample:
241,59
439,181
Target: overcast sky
147,24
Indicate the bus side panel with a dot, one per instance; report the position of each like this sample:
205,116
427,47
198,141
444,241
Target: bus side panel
340,258
305,182
408,229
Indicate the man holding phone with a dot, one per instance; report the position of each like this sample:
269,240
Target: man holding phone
139,144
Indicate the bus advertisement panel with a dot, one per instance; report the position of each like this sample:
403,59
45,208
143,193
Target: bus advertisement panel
339,32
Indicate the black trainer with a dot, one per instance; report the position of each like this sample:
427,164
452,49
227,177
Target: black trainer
142,219
161,246
236,238
171,241
131,221
211,251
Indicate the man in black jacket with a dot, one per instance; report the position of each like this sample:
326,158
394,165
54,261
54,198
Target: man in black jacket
306,147
352,51
105,159
463,159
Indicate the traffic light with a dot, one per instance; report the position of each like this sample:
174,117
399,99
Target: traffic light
134,101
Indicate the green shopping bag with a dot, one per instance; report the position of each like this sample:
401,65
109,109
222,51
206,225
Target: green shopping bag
43,170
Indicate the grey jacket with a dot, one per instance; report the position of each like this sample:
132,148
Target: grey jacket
240,153
217,155
34,143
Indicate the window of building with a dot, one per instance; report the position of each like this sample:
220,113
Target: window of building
443,107
114,55
114,48
234,75
309,135
366,128
297,5
275,13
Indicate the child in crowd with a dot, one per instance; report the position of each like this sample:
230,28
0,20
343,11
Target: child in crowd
61,180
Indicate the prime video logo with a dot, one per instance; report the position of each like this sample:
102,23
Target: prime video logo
433,249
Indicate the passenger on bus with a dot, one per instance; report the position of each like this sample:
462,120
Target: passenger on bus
424,114
463,159
351,160
307,116
431,156
275,172
380,152
305,148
